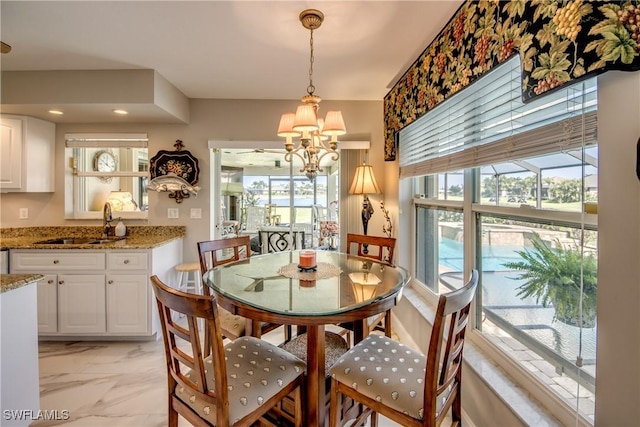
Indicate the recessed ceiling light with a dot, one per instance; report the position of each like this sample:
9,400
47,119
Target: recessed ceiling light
56,112
123,112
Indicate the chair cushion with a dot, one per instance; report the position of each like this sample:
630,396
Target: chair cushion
256,371
386,371
334,346
231,323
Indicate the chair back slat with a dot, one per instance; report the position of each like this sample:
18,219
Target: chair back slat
184,348
213,253
372,246
280,239
444,358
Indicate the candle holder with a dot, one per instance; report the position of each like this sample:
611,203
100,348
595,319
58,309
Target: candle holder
307,261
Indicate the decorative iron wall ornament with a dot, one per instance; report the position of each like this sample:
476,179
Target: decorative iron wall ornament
559,42
175,172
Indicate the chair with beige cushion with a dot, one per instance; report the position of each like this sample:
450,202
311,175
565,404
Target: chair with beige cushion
213,253
410,388
238,384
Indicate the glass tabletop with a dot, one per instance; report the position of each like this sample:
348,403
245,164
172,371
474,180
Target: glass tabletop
342,283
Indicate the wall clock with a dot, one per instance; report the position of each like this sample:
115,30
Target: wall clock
104,161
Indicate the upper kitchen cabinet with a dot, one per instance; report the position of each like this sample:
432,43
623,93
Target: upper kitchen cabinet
27,162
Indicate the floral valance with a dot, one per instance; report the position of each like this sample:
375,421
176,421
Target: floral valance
558,42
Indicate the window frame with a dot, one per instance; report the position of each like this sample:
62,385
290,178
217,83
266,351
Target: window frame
75,178
471,207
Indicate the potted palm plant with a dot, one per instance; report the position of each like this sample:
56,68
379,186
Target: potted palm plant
552,276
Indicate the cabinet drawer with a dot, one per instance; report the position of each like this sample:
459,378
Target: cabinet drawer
127,261
57,261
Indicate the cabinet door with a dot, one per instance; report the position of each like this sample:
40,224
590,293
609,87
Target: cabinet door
11,153
48,304
127,303
81,303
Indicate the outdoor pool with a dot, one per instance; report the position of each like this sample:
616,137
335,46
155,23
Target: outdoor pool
499,295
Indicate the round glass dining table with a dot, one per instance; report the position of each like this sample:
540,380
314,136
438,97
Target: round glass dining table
343,288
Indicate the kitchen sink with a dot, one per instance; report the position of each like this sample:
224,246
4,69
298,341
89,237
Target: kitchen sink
79,240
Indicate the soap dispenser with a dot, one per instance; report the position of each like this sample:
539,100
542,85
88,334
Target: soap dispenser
121,230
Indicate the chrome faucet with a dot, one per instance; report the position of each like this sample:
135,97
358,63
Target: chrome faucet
106,219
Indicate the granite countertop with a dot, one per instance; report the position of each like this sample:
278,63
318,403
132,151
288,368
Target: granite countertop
138,237
9,282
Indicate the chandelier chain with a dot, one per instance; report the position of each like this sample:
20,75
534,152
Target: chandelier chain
311,88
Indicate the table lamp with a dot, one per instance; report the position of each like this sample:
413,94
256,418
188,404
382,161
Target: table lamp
122,201
364,182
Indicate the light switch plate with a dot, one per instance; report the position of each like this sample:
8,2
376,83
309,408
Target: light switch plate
173,213
196,213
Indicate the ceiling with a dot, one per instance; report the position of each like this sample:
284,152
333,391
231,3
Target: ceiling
226,49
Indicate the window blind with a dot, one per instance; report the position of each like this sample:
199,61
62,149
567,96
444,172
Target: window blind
488,123
106,140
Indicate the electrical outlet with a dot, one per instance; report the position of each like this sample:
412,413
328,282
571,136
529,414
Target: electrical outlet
196,213
173,213
24,213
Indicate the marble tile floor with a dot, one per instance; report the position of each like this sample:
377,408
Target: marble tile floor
115,384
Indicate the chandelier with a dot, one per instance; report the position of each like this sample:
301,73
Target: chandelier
305,124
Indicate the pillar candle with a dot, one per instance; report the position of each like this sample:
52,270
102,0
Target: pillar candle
307,259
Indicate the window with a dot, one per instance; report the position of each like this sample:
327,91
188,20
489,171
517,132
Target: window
440,250
502,188
106,167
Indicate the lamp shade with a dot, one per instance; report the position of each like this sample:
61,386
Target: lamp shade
122,201
334,124
364,182
286,125
305,119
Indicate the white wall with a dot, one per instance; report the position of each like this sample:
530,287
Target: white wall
210,120
618,347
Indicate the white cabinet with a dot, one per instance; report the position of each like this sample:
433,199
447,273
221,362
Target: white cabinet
81,304
35,261
27,154
48,304
128,296
95,293
19,387
127,303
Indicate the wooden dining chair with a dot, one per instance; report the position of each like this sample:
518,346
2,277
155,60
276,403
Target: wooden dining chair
214,253
238,384
375,247
381,249
412,389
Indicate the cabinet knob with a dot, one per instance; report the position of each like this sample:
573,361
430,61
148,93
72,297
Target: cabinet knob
55,261
110,282
126,261
61,282
50,281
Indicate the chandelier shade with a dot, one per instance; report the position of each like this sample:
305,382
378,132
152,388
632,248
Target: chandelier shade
305,123
286,126
334,124
305,119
